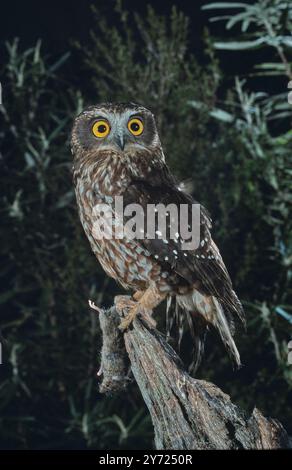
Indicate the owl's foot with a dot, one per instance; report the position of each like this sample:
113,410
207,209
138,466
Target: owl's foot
138,294
148,300
129,318
124,303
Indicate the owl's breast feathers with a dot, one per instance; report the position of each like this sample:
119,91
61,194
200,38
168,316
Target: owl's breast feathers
127,261
198,278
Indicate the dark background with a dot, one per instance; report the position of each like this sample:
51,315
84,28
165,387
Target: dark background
58,22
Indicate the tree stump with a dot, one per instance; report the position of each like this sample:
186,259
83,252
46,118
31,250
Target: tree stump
186,413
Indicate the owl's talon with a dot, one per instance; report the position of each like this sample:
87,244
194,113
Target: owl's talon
124,303
126,322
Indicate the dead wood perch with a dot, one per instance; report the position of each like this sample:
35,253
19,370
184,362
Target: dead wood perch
186,413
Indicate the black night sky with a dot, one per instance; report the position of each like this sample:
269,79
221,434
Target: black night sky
61,23
58,23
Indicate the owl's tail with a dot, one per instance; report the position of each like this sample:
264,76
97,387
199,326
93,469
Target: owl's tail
198,313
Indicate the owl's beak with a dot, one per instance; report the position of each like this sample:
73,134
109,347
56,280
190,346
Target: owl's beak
120,141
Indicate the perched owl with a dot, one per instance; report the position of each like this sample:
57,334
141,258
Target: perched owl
117,152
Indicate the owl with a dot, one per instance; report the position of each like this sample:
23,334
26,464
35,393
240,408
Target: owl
117,152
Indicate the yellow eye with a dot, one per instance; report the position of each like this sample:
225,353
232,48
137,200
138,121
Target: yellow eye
135,126
101,128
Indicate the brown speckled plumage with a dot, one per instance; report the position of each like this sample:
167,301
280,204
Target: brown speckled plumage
136,170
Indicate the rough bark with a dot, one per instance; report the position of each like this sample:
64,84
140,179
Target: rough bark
186,413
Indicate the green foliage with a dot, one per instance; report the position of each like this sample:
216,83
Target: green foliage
269,20
236,151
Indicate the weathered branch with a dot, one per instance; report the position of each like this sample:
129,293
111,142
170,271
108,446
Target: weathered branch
186,413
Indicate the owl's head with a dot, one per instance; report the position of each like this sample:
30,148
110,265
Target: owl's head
116,127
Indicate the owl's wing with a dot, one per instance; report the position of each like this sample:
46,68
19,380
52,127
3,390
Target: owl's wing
203,264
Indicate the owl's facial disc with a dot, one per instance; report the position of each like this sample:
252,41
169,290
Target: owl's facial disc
116,127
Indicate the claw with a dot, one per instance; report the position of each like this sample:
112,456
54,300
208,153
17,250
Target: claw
126,322
146,302
124,303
